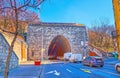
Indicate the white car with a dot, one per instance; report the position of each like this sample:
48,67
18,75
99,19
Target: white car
67,56
117,67
75,58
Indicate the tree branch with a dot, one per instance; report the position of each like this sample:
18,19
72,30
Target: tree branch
37,4
26,4
3,30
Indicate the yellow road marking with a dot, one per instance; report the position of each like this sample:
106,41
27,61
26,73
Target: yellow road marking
87,71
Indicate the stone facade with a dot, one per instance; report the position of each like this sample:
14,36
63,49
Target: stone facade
3,55
20,47
39,37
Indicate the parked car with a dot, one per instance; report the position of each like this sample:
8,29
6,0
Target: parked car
76,58
117,67
67,56
112,54
116,54
60,58
93,61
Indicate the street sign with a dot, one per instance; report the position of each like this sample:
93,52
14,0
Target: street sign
82,43
86,43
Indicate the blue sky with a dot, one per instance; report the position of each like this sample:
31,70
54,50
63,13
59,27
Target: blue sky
76,11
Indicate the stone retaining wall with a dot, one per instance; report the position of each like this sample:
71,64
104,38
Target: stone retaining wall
3,55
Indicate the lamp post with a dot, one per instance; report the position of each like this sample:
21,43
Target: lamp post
39,12
42,46
42,49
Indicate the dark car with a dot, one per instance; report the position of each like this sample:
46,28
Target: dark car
93,61
112,54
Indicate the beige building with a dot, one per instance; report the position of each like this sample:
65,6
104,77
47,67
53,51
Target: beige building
20,47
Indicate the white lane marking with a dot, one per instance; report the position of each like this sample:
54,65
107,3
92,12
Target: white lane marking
56,73
68,70
50,72
108,72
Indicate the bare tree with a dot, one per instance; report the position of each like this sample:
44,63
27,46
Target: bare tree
17,8
102,33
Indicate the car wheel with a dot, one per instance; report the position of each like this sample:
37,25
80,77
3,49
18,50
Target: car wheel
118,69
83,63
101,66
90,64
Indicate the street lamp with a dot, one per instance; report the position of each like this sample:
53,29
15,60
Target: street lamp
42,49
39,12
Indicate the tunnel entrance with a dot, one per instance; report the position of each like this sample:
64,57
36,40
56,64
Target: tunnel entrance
58,46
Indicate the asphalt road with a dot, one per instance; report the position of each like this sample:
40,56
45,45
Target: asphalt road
77,70
60,69
24,71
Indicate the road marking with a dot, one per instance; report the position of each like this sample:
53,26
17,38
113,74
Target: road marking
54,72
108,72
50,72
68,70
93,69
87,71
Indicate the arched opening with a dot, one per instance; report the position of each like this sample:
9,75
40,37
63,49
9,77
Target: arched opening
58,46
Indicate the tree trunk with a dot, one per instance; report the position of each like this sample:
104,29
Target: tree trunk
6,72
9,57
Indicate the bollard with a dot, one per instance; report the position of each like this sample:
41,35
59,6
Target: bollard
37,63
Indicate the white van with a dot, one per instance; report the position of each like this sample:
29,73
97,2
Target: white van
67,56
76,58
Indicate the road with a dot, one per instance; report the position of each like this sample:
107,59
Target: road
24,71
60,69
77,70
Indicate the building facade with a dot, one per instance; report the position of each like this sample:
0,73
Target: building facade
40,36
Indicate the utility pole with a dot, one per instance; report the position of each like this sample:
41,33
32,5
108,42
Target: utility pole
116,9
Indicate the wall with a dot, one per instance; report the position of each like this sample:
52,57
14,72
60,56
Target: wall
3,55
39,37
19,48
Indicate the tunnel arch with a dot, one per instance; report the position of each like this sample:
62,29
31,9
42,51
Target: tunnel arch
58,46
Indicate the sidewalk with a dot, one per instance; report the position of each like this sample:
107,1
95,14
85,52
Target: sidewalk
25,71
32,62
42,62
28,69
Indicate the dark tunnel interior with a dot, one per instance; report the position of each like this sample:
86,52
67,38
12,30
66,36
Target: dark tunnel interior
58,46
